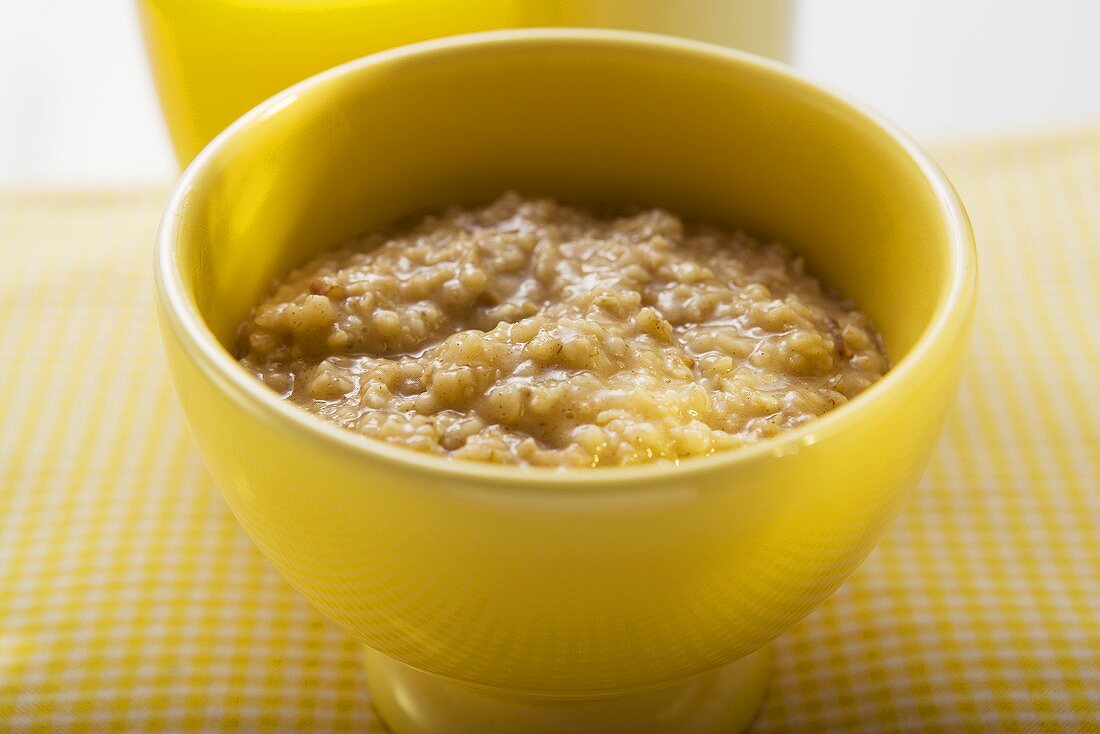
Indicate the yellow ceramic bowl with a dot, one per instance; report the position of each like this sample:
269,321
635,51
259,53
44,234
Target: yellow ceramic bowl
549,585
214,59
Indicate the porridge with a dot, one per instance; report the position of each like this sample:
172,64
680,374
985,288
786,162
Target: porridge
529,332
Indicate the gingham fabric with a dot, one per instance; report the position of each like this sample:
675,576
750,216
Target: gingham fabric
131,600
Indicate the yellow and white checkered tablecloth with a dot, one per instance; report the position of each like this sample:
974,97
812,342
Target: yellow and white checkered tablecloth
131,600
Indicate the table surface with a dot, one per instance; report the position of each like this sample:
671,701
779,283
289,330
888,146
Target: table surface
77,107
130,598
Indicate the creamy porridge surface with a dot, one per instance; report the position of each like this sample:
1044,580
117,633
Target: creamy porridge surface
528,332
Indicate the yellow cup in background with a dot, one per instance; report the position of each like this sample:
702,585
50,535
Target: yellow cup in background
494,599
212,60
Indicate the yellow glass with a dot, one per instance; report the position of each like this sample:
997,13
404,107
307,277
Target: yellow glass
214,59
486,590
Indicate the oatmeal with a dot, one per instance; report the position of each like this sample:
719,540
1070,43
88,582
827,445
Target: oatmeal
528,332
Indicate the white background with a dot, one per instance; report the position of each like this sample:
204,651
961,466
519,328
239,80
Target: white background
77,106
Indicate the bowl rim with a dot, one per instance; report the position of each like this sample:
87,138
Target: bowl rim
180,312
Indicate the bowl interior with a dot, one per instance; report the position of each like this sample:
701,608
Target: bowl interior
712,135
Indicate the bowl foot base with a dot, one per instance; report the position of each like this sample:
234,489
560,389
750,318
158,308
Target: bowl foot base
724,700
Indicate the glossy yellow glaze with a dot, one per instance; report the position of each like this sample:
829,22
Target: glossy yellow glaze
559,583
723,700
214,59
